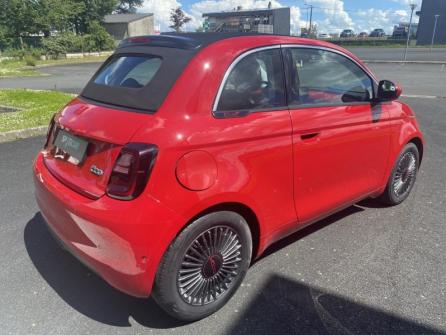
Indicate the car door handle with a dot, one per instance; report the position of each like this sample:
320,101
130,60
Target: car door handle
310,136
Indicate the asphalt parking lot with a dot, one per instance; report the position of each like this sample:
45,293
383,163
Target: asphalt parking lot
365,270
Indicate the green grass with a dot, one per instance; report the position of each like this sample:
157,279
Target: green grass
18,68
36,107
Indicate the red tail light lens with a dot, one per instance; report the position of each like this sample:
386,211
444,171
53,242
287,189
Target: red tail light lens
131,171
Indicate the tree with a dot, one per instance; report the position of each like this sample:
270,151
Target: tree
17,18
98,38
92,10
128,6
178,19
58,15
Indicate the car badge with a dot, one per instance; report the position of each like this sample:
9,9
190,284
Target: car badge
97,171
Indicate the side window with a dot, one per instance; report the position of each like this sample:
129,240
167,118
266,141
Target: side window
324,77
256,82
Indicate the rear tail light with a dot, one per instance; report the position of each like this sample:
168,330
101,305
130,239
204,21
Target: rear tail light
131,171
49,131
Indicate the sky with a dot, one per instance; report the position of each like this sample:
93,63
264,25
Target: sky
330,16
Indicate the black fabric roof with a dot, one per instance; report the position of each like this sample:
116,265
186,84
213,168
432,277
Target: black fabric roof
176,51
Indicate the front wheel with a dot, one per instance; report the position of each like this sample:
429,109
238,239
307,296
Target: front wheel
403,176
204,266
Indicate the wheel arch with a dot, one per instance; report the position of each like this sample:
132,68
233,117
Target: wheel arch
245,211
419,144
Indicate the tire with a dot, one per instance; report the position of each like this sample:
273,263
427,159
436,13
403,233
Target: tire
204,266
403,176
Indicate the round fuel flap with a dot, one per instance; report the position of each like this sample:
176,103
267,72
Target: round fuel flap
196,170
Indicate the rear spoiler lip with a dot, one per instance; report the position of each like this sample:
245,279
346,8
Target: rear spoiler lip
167,41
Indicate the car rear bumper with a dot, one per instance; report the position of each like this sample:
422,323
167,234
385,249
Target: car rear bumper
114,238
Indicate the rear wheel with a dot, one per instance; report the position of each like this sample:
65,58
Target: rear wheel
204,266
403,176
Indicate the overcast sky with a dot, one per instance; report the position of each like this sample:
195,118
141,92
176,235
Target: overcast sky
330,15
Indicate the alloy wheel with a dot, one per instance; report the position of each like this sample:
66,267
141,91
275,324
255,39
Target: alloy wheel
209,266
405,174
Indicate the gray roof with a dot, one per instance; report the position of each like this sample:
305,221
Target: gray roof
125,18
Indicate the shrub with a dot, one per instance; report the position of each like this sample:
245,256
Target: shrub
15,53
98,38
54,46
62,43
29,60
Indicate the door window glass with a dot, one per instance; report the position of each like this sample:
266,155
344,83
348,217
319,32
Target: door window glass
256,82
324,77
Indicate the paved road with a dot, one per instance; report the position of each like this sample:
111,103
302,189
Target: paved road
69,78
365,270
396,54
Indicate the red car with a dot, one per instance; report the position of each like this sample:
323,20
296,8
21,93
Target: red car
186,156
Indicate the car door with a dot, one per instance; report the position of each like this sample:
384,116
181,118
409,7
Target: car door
254,134
341,139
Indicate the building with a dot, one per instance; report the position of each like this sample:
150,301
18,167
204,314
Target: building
266,21
429,9
121,26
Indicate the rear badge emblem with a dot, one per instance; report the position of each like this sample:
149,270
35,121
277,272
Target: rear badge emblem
97,171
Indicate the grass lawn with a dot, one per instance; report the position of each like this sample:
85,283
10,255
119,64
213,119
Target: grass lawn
36,107
18,68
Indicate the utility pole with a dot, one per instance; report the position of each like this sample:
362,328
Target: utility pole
433,33
311,20
412,7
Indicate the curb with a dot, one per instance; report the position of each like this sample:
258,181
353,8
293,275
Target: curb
22,133
435,62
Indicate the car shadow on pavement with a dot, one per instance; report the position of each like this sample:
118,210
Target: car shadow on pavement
285,306
310,230
82,289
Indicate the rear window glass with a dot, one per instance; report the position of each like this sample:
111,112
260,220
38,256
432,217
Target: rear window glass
129,71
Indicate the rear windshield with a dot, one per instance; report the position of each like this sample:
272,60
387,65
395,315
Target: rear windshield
129,71
137,78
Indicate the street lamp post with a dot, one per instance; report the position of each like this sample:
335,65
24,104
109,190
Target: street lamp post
412,7
435,29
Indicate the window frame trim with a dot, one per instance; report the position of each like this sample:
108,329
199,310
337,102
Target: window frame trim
282,47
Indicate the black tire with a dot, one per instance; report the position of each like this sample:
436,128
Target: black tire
217,271
403,176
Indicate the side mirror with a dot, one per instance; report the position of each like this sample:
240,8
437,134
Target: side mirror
388,91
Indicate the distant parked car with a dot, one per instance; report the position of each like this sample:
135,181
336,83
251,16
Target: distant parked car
347,33
400,32
363,34
377,33
323,35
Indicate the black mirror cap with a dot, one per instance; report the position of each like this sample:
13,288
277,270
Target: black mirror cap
388,91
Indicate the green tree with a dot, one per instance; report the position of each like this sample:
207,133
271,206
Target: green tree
178,19
92,10
18,17
58,15
128,6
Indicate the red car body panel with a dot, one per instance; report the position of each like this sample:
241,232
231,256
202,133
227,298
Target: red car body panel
269,163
